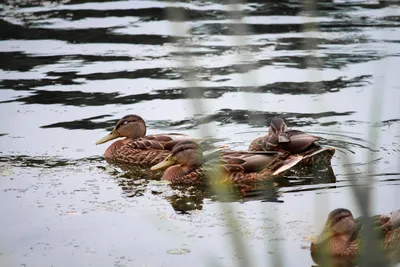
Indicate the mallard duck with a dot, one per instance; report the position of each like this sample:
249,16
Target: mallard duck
136,147
279,138
188,165
343,234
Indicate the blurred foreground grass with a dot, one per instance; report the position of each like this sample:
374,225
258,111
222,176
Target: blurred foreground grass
363,189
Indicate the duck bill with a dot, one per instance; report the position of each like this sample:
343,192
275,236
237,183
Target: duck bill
163,164
113,135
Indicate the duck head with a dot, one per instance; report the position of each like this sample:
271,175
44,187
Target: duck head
129,126
276,131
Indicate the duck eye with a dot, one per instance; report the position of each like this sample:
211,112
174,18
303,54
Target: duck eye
125,122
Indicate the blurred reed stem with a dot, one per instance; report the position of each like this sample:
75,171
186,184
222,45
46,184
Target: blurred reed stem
372,254
362,191
188,64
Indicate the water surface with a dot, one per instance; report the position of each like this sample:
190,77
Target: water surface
70,70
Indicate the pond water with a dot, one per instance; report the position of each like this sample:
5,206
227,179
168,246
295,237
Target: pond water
69,70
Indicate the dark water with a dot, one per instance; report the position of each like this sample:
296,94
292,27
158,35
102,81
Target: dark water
70,70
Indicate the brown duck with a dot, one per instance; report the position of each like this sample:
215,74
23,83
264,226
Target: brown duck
188,165
136,147
343,234
279,138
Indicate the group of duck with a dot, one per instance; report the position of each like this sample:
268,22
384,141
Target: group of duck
181,156
268,157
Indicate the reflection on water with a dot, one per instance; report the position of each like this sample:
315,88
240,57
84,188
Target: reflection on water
225,116
134,181
71,69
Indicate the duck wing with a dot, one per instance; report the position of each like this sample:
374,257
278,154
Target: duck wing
299,141
293,141
162,141
388,222
383,223
248,161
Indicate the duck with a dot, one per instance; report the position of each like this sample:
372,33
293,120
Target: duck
186,164
343,234
136,147
280,138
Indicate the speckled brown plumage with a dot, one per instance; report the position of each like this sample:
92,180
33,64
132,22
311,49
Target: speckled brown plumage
298,142
137,148
318,156
279,138
218,174
343,235
257,144
147,150
238,167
